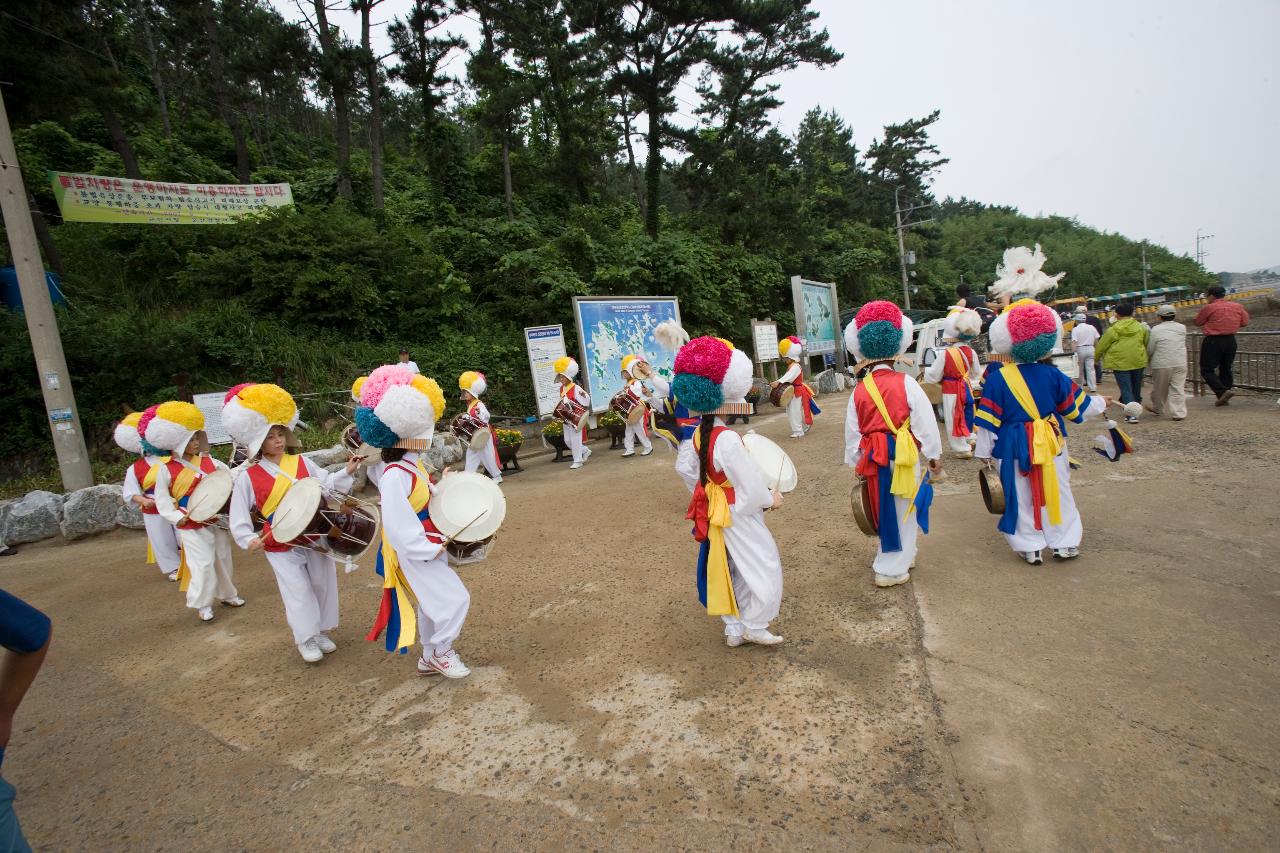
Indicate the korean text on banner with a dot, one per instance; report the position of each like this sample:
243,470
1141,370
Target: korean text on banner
94,198
210,405
544,344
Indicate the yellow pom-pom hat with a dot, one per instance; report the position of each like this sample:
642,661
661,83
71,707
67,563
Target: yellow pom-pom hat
171,425
251,409
126,433
355,388
473,382
399,408
566,367
791,347
630,361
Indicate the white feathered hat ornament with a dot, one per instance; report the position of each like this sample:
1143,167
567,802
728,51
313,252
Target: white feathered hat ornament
1019,274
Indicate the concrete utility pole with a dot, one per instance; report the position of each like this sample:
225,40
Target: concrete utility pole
51,363
1201,254
1145,266
902,221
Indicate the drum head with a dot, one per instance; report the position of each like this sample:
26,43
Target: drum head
465,497
781,396
637,413
479,439
774,463
860,498
210,495
296,510
992,490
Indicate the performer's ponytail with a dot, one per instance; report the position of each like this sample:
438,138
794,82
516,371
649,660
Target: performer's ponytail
704,445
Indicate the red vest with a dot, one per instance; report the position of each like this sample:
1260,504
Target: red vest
263,482
717,477
175,468
893,388
950,375
424,514
140,470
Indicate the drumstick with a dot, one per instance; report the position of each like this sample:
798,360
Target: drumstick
782,464
462,529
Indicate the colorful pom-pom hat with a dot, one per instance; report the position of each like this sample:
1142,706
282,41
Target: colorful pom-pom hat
791,347
962,324
1019,274
474,383
566,367
878,331
1027,331
126,433
399,408
713,377
170,426
630,361
251,409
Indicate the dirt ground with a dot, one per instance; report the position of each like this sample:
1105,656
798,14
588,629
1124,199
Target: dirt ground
1125,700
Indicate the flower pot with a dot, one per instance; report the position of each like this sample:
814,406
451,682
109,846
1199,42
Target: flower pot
616,432
557,441
507,457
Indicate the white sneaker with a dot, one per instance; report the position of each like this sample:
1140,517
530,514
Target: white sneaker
885,581
233,602
797,435
575,466
173,575
324,643
628,453
1032,557
762,637
586,454
1066,553
448,664
311,651
206,614
646,451
733,640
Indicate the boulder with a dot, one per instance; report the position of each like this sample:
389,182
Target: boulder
89,511
828,382
328,456
33,517
129,515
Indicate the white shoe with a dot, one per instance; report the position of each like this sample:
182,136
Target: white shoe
733,640
797,435
1032,557
646,451
762,637
966,455
1066,553
448,664
886,581
206,614
575,466
311,651
233,602
173,575
586,454
324,643
628,453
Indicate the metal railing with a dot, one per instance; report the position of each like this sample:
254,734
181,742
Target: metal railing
1254,369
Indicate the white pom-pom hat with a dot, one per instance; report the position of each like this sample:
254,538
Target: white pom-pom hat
962,324
251,409
474,383
791,347
566,367
172,425
126,433
399,408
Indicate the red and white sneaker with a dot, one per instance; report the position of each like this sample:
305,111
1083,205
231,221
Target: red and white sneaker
448,664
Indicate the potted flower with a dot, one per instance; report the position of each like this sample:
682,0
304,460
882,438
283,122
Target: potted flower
553,433
509,441
614,425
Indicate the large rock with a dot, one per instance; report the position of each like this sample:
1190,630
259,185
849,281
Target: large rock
34,517
130,515
445,450
328,456
90,511
828,382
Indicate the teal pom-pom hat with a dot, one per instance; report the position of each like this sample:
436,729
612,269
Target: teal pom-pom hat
878,331
712,377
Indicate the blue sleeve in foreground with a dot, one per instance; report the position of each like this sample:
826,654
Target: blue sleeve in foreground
23,629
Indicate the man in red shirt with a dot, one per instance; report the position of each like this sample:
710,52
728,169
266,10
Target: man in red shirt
1219,321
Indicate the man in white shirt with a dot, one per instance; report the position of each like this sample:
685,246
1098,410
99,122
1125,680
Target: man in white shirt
1167,361
411,366
1083,339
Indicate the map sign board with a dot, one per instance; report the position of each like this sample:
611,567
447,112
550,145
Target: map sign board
818,317
610,327
544,344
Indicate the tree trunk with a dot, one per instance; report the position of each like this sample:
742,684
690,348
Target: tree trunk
51,254
338,88
229,114
373,82
120,142
632,169
506,171
653,167
157,79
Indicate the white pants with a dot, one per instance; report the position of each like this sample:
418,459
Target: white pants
795,415
208,553
634,431
958,444
488,457
573,438
1169,384
756,569
895,564
1065,535
163,537
308,584
442,602
1084,363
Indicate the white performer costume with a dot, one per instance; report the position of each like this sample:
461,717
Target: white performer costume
962,324
475,384
638,430
161,535
575,439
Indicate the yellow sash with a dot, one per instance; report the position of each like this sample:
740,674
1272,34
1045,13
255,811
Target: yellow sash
905,455
148,482
289,469
393,577
183,483
957,358
720,598
1046,442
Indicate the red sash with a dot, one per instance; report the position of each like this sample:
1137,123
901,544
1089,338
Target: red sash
698,504
493,435
956,381
141,468
263,481
875,432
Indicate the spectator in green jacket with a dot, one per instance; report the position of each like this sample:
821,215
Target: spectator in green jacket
1123,350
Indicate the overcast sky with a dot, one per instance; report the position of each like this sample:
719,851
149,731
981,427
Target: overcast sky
1152,118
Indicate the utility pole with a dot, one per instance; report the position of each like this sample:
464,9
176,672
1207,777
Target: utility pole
1201,254
42,324
1145,266
902,221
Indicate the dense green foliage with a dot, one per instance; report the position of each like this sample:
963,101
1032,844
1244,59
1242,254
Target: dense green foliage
444,215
